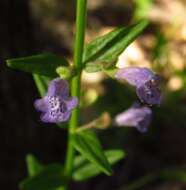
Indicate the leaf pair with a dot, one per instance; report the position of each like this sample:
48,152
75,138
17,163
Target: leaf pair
85,170
103,52
89,146
98,54
51,177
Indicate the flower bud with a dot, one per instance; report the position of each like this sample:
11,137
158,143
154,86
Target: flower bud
64,72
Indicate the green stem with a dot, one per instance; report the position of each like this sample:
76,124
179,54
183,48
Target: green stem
76,83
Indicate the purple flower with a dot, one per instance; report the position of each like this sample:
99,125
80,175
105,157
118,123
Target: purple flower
146,82
56,106
137,116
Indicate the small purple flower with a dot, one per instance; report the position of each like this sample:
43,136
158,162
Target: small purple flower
56,106
137,116
146,82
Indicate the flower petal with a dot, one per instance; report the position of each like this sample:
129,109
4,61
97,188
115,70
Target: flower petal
56,105
149,93
139,117
71,103
41,105
57,118
45,117
58,87
143,124
65,117
135,75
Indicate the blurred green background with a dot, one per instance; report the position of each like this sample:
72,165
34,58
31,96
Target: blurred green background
155,160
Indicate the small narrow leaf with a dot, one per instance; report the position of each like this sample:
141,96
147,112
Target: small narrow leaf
111,72
92,67
89,146
105,49
85,170
98,46
114,156
41,83
43,64
33,165
49,178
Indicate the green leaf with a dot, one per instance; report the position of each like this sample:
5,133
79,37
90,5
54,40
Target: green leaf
33,165
41,83
89,146
115,155
92,67
105,50
49,178
42,64
84,169
111,72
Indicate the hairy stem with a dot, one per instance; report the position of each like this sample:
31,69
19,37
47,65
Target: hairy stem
76,83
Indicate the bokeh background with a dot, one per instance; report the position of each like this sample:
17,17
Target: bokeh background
33,26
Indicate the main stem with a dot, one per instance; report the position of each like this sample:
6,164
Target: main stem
76,82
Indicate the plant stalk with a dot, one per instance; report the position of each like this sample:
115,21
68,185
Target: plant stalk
76,83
